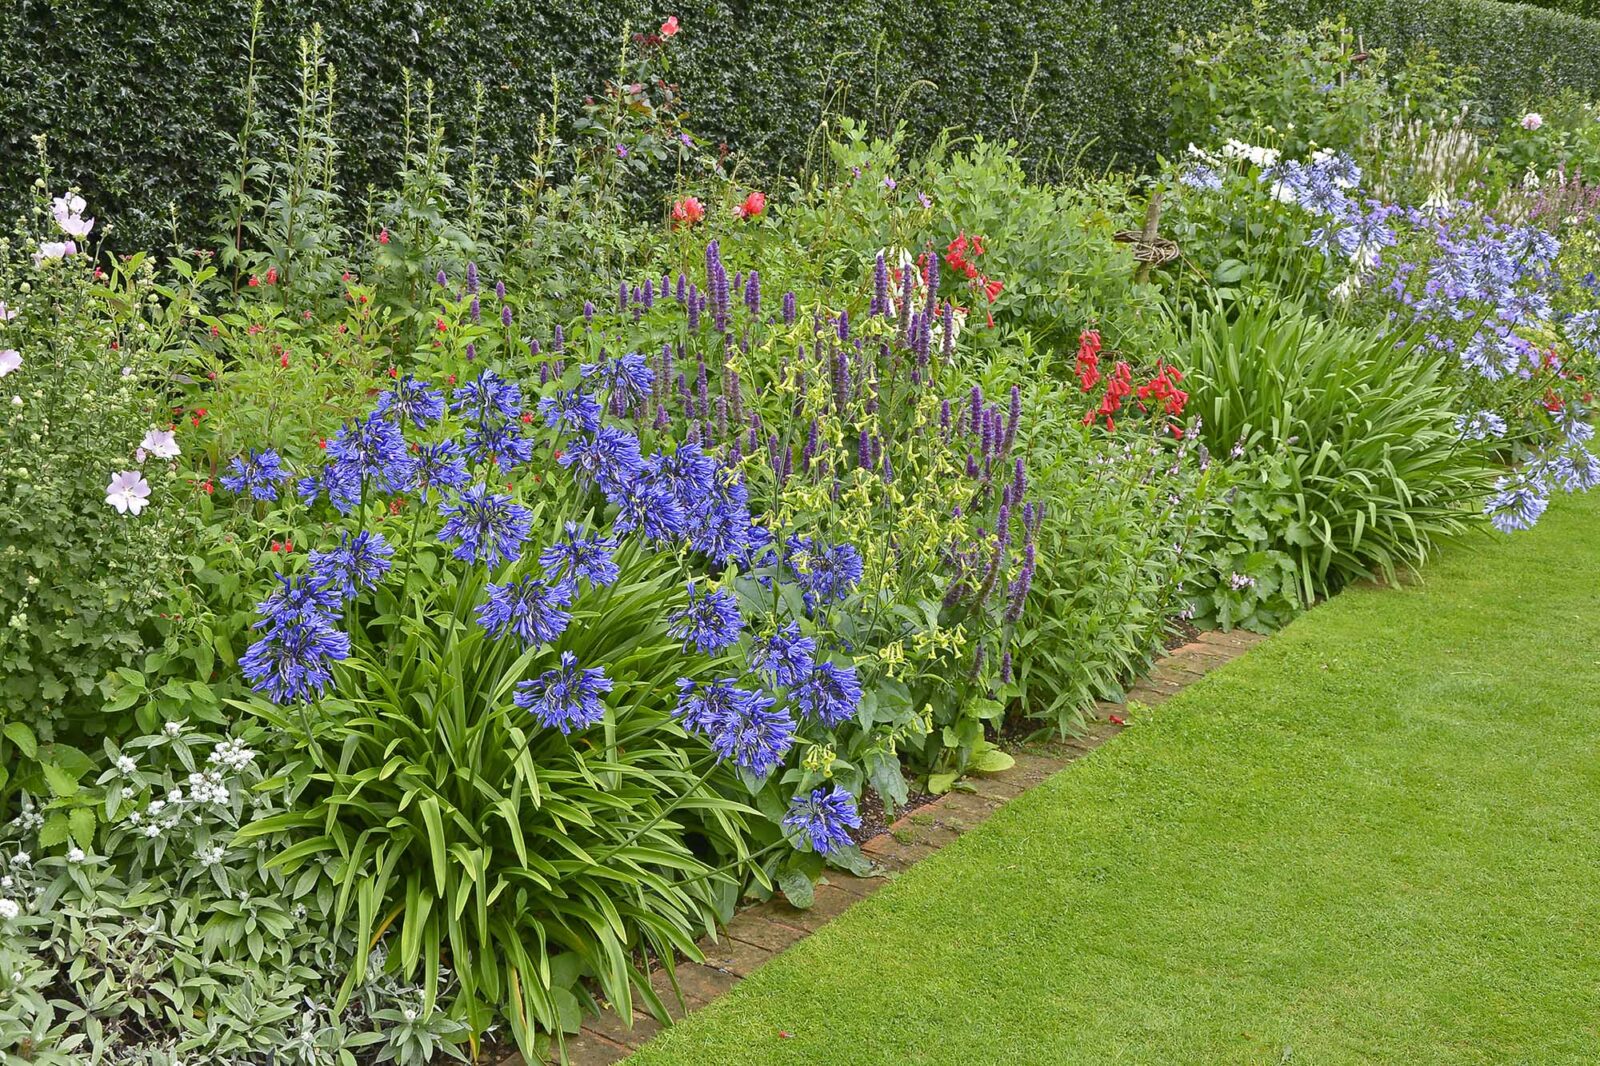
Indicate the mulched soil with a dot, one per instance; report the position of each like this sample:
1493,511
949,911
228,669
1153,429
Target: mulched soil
875,819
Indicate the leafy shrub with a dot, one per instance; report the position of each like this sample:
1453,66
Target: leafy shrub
82,578
1375,470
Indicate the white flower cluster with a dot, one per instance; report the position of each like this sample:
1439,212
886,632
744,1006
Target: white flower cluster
207,788
9,909
30,819
1258,156
210,856
232,754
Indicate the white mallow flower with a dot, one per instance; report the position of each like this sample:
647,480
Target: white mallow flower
128,492
68,213
1532,120
54,250
10,358
161,443
7,313
9,910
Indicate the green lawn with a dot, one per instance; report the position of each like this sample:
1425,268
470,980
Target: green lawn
1376,838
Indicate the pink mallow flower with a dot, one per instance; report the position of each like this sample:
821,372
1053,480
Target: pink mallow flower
161,443
128,492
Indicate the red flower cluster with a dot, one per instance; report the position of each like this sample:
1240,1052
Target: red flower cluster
1089,359
753,205
284,546
688,211
1161,391
957,253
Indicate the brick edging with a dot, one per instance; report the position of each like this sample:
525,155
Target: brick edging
758,933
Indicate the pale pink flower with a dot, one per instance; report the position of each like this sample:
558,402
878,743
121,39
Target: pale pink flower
161,443
128,492
10,359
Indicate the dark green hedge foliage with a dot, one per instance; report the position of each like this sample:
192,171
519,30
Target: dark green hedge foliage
139,96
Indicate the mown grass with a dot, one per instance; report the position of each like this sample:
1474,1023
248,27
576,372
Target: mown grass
1374,839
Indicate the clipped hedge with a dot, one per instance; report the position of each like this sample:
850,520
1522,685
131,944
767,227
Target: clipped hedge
140,96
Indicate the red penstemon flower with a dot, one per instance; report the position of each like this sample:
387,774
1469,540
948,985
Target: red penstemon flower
687,211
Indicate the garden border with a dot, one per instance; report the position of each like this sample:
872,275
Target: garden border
758,933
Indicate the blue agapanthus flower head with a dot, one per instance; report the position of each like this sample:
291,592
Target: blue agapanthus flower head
741,724
786,655
1574,469
438,466
291,663
628,377
359,562
825,573
710,622
486,527
688,473
1201,177
574,556
721,527
486,395
307,598
411,400
647,506
830,694
703,704
372,451
571,411
823,819
566,698
1485,425
499,442
609,458
333,481
1518,503
256,474
530,607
